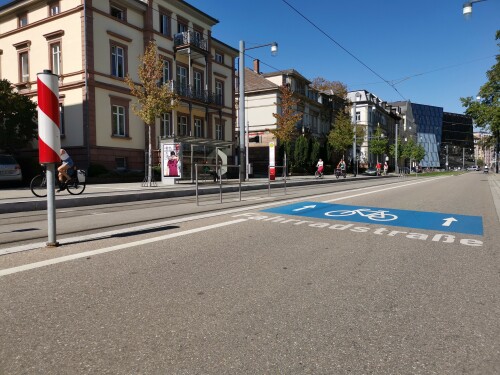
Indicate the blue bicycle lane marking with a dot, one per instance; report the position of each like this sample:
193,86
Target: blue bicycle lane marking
442,222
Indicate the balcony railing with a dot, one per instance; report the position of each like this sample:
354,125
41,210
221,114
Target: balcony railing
195,93
189,38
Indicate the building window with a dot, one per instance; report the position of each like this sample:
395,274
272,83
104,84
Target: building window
181,26
121,163
22,19
182,80
219,92
166,126
54,8
118,120
198,83
166,72
118,61
182,120
164,24
219,129
55,58
117,12
219,57
198,127
24,67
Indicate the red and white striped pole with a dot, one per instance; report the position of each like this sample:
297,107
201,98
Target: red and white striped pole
49,140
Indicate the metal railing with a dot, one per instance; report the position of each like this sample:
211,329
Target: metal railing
196,93
191,39
215,172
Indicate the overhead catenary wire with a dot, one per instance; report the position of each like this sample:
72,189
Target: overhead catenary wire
343,48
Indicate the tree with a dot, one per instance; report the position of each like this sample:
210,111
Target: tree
341,137
486,110
342,134
413,151
301,151
332,87
392,150
315,151
286,121
18,119
153,97
378,143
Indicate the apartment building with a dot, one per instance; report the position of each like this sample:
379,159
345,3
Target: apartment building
92,45
369,112
262,97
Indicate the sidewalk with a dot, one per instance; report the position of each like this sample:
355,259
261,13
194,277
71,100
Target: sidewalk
22,199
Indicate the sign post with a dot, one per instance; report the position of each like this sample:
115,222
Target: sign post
49,141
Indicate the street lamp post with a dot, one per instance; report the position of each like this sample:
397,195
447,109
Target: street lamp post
396,167
467,7
241,109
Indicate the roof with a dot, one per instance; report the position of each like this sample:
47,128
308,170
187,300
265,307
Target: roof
289,72
257,82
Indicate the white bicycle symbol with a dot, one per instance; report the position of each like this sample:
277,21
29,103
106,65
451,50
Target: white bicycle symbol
375,215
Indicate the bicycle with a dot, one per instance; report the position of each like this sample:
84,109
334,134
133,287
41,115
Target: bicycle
318,174
375,215
340,172
75,185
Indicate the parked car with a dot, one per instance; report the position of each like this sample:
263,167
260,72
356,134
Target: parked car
371,171
473,168
10,170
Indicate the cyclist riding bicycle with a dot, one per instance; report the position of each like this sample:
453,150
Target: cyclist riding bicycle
320,166
63,169
341,168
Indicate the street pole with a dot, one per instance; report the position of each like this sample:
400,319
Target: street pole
463,158
354,171
446,157
241,111
396,167
247,144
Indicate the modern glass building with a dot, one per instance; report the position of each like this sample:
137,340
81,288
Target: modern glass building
423,124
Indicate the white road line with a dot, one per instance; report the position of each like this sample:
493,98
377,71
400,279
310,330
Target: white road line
67,258
103,235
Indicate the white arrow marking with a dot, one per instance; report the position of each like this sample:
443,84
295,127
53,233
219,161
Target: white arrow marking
304,208
448,221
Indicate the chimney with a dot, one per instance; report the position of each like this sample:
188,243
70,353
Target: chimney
256,66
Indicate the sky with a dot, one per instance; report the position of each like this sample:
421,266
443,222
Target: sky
424,51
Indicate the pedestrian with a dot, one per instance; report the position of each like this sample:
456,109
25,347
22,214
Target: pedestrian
378,168
386,168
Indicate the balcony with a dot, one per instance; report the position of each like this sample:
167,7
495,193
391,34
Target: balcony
188,39
194,93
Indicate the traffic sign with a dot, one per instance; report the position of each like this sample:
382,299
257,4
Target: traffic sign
443,222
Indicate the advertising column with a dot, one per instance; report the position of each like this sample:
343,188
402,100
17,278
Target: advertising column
171,165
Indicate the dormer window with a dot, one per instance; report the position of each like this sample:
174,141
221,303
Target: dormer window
117,12
23,19
54,8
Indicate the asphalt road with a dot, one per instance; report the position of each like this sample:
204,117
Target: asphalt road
236,289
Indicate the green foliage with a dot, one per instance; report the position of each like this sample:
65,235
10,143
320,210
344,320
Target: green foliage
378,143
301,152
486,110
413,151
18,119
315,148
342,135
96,170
